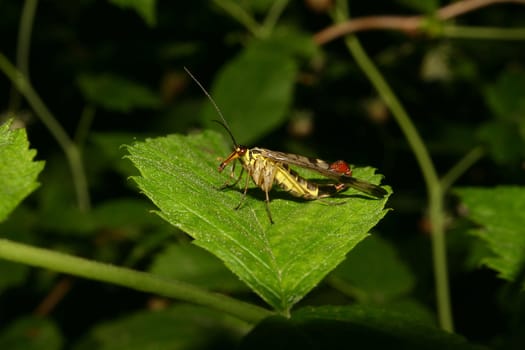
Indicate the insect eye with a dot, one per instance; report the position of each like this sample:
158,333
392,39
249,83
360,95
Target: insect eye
241,150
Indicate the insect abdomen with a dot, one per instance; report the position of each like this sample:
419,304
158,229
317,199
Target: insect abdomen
293,183
298,186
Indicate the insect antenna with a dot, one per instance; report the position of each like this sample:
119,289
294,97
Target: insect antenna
220,122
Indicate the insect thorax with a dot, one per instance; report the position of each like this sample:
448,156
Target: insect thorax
261,169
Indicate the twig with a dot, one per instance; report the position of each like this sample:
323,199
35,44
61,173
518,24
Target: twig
54,297
461,7
23,48
410,25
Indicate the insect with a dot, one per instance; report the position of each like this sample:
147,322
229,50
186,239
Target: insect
268,168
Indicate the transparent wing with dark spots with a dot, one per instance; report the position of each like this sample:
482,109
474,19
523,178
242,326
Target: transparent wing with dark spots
324,168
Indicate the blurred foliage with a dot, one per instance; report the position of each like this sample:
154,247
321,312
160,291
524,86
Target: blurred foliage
111,73
369,279
499,211
176,327
367,327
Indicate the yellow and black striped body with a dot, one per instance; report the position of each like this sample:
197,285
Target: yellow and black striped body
266,172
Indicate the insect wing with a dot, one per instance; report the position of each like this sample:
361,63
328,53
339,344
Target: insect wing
339,170
318,165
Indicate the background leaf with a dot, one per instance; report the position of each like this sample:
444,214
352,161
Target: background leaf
254,92
504,135
18,171
499,211
280,262
145,8
188,263
503,141
505,96
369,278
177,327
115,93
356,327
31,333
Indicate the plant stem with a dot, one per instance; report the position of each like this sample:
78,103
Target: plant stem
460,167
347,289
137,280
272,16
23,46
240,15
435,195
68,146
84,124
432,183
484,33
24,36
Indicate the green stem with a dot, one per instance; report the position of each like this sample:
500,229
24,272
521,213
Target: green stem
68,146
23,46
24,36
84,124
137,280
240,15
273,16
460,167
347,289
484,33
426,166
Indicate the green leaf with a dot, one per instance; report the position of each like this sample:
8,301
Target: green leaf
414,309
289,41
31,333
178,327
56,202
368,278
145,9
505,96
18,171
499,211
280,262
350,327
503,141
254,92
505,136
188,263
127,216
107,149
116,93
258,6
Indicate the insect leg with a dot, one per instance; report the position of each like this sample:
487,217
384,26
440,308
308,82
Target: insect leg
245,191
232,173
268,207
227,184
